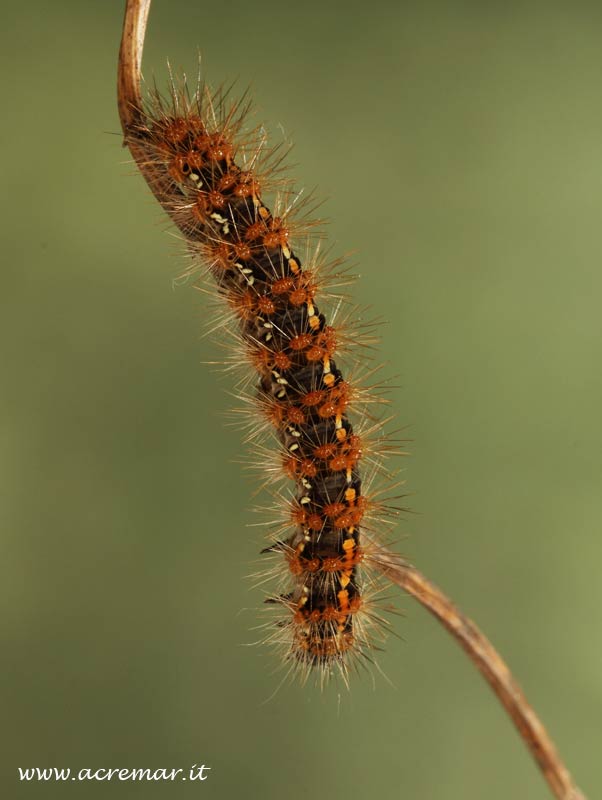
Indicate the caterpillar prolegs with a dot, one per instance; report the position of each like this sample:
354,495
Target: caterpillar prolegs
212,177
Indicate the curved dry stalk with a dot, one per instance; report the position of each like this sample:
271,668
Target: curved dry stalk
478,648
129,98
491,665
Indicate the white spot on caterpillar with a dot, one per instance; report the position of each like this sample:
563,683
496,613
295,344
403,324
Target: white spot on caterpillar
247,273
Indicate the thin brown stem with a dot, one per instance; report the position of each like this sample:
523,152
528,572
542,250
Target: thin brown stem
491,665
476,645
129,97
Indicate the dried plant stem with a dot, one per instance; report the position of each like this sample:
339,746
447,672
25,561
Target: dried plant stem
491,665
478,648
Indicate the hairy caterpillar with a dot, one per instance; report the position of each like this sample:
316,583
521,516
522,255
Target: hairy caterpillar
211,177
188,161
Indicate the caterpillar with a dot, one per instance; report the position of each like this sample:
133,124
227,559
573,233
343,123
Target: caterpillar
189,151
211,174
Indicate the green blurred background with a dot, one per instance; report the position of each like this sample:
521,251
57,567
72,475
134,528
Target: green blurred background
460,148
